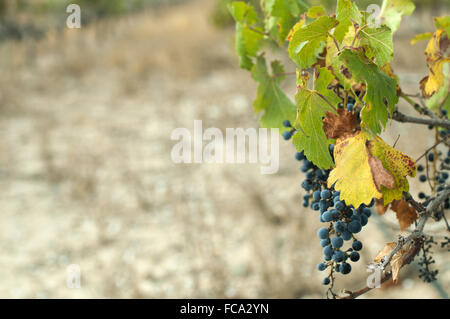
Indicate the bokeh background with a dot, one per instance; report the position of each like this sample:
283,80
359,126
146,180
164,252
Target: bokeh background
86,176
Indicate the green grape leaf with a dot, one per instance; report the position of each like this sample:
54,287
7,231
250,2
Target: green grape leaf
310,136
315,12
248,36
333,61
393,10
380,89
283,15
309,40
346,12
380,43
321,85
443,23
270,99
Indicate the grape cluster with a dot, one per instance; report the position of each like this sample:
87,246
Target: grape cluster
288,134
343,221
439,180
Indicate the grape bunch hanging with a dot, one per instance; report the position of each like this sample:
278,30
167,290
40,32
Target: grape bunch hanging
342,222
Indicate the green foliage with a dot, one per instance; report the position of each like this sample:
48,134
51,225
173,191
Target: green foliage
393,10
311,108
283,14
381,96
270,99
308,41
379,44
249,36
346,12
443,23
343,50
346,93
221,16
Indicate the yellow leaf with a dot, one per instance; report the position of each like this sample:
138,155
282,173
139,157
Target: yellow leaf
435,60
368,168
399,166
420,37
352,174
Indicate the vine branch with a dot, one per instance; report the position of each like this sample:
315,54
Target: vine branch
400,117
415,238
420,108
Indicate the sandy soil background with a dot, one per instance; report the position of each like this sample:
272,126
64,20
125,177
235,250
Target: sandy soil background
86,176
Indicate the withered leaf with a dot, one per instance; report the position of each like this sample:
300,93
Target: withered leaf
406,215
381,209
436,58
384,252
336,126
380,175
396,261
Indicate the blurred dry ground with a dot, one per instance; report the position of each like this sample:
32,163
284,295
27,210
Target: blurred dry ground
87,179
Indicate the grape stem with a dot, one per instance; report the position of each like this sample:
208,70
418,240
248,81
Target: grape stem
422,109
432,206
430,148
409,256
325,99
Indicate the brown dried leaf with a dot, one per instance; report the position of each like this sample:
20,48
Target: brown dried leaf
396,261
406,215
384,252
380,175
381,209
396,264
343,124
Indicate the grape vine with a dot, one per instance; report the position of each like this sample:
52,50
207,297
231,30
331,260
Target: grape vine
346,93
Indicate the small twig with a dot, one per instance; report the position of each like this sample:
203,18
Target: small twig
357,99
440,198
422,109
446,221
430,148
427,170
435,156
325,99
357,34
335,42
400,117
266,34
395,143
345,99
356,294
